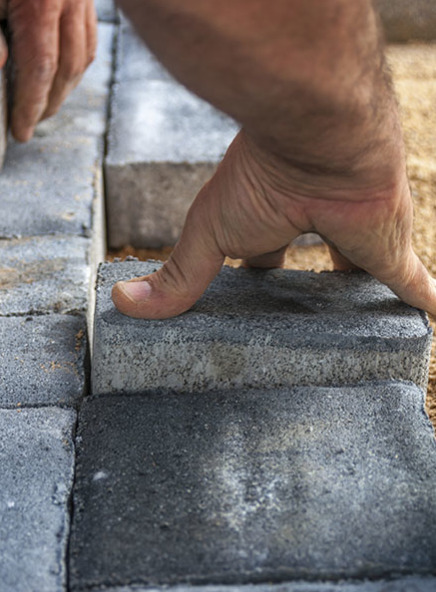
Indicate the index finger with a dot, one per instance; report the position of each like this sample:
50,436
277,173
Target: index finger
35,54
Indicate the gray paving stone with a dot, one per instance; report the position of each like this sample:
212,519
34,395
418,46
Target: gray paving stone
47,187
404,20
153,174
261,329
36,464
405,584
246,486
43,275
3,116
42,360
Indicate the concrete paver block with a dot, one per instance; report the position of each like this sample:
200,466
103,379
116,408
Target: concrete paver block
404,20
246,486
44,274
153,174
261,329
405,584
42,360
57,201
37,464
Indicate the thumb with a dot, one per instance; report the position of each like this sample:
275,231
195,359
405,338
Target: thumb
412,283
195,261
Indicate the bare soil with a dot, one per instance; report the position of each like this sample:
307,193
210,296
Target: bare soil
414,73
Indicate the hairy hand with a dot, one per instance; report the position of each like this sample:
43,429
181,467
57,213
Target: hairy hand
52,43
256,204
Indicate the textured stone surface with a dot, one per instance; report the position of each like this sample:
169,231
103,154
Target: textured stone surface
3,117
42,360
254,486
153,175
36,460
405,584
262,329
44,274
47,187
404,20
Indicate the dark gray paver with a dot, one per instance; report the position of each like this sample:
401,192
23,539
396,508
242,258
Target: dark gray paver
262,329
36,459
405,584
247,486
44,274
47,187
42,360
404,20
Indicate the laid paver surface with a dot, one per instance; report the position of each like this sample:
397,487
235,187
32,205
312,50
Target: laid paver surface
264,329
37,466
44,274
254,485
43,360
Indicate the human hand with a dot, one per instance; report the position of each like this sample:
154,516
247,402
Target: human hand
256,204
52,43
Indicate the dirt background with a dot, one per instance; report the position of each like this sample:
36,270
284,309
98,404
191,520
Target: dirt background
414,74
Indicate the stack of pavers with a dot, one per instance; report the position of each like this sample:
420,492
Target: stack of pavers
273,437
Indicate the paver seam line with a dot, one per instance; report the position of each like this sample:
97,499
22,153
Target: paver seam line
93,229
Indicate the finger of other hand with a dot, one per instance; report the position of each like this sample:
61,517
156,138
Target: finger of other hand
76,50
35,51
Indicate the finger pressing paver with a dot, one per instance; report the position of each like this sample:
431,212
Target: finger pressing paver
37,460
153,175
254,486
262,329
42,360
44,274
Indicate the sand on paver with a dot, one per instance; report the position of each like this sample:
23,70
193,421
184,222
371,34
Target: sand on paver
414,72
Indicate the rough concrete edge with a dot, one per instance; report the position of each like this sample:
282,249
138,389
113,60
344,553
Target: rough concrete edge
421,583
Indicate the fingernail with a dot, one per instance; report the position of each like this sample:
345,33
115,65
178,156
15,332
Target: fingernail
136,291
